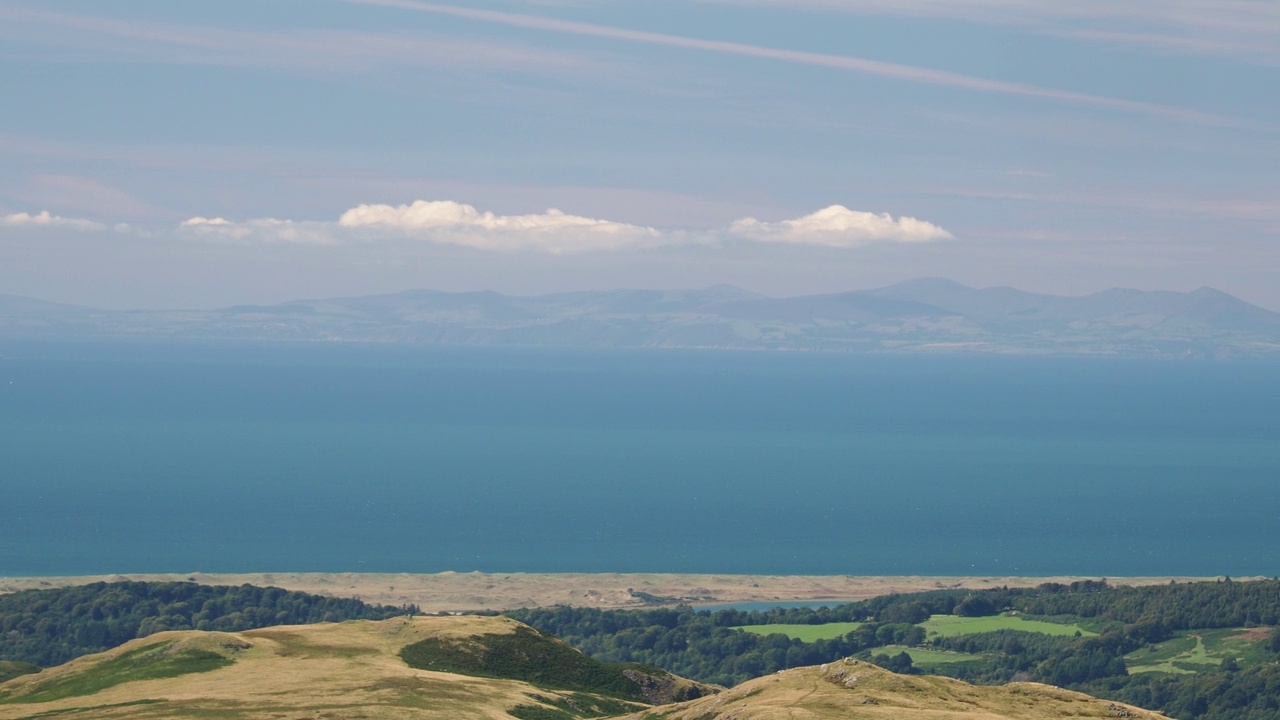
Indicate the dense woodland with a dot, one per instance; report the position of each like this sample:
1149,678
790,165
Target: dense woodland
50,627
707,647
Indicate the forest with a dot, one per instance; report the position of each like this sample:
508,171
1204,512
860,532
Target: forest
712,647
50,627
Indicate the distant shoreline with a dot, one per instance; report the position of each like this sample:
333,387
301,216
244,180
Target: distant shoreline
473,591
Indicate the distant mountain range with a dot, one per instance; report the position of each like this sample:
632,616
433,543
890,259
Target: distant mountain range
928,315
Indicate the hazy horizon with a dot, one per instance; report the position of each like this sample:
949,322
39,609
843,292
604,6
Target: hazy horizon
618,289
196,155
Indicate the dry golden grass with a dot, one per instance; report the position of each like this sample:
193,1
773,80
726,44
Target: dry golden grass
352,670
346,670
854,690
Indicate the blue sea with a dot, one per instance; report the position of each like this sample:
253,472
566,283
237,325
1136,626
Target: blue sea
171,457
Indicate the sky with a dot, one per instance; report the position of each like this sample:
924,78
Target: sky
156,154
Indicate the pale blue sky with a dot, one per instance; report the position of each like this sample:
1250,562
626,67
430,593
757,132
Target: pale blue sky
1058,147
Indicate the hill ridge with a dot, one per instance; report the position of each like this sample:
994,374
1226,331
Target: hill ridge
857,689
353,664
354,669
924,315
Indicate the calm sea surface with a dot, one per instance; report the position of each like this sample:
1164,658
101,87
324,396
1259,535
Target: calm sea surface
135,457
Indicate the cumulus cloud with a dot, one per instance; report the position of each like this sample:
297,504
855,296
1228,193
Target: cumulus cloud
263,230
838,226
216,225
438,222
455,223
45,219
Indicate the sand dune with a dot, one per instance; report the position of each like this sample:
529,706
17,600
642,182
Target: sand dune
453,591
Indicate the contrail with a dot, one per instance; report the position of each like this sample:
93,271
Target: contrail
866,66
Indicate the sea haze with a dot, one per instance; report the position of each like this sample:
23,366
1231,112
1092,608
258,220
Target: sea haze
167,457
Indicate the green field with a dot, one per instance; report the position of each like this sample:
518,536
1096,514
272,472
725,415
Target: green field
927,658
1197,651
936,626
162,660
1179,655
807,633
952,625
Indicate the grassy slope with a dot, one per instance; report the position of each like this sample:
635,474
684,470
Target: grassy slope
547,662
853,689
10,669
164,659
354,670
340,670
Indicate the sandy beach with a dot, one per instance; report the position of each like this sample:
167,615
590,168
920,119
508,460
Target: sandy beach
458,592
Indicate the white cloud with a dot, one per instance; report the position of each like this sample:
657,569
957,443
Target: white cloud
44,219
204,222
838,226
445,222
264,230
455,223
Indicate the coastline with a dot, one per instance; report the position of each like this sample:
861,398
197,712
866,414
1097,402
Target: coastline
473,591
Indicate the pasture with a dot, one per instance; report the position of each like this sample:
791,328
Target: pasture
936,626
807,633
952,625
922,658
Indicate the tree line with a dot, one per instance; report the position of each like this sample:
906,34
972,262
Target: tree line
706,646
50,627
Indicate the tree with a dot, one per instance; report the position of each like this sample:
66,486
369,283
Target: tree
906,612
900,663
976,606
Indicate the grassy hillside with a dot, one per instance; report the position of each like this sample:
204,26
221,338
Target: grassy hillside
477,668
852,689
350,669
10,669
530,656
165,657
